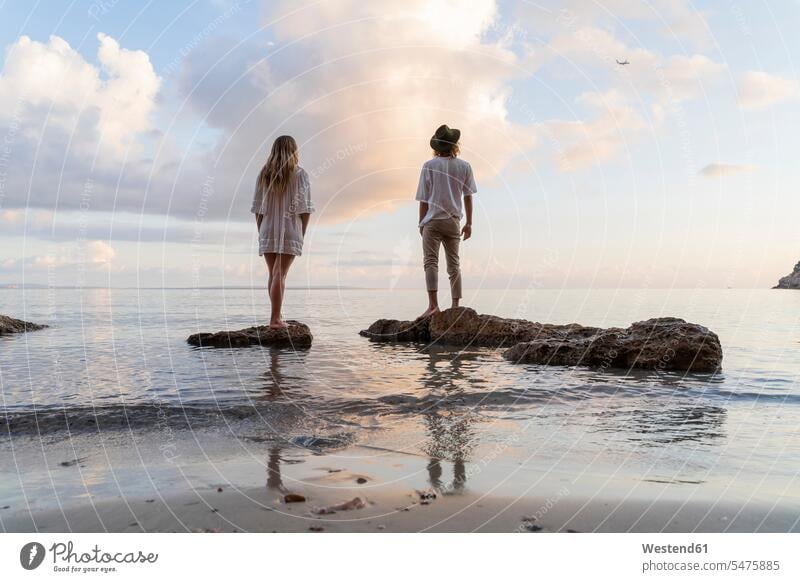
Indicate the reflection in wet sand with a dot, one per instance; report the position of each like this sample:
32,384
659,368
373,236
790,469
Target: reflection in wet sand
450,431
274,479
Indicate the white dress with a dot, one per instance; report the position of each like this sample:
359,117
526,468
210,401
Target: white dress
281,228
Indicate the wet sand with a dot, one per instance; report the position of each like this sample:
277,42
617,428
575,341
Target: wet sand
390,504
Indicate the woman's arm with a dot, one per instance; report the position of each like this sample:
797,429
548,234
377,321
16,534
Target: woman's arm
304,218
423,210
259,218
467,230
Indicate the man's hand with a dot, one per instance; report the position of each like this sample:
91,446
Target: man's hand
466,231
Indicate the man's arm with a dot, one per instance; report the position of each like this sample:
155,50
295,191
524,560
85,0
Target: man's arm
304,218
423,210
467,230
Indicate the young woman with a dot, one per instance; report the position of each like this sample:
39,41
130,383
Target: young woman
282,205
444,182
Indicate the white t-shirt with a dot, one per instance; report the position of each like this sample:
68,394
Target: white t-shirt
442,184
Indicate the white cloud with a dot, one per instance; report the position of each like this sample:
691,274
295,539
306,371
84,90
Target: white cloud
108,106
583,143
100,252
371,79
721,170
758,89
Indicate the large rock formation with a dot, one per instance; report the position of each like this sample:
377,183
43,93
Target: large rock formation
665,343
11,325
297,335
790,281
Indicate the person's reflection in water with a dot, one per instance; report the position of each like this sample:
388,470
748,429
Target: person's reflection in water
274,379
449,425
274,479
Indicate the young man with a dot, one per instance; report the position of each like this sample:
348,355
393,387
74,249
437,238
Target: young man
444,183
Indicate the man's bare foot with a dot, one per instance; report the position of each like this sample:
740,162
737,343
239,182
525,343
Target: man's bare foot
428,312
280,324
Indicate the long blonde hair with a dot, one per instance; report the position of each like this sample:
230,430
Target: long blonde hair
278,173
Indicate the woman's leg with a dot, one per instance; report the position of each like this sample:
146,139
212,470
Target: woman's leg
277,288
270,259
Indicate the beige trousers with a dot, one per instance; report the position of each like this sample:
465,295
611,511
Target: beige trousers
445,232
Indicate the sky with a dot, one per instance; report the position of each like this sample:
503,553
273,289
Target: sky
131,135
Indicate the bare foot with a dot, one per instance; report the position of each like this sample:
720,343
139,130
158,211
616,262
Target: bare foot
280,324
428,312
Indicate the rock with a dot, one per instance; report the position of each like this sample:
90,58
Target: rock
790,281
354,503
294,498
392,330
9,325
666,343
462,326
297,335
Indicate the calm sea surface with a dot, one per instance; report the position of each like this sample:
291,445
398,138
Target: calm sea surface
117,360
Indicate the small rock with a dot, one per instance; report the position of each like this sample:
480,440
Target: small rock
294,498
354,503
316,528
149,500
361,480
72,463
381,527
529,525
219,489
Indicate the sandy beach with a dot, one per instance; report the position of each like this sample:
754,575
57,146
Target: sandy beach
359,489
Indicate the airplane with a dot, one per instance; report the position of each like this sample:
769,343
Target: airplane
623,62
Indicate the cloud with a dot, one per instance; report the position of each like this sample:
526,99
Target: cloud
47,84
678,18
78,134
100,252
583,143
372,80
721,170
757,89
